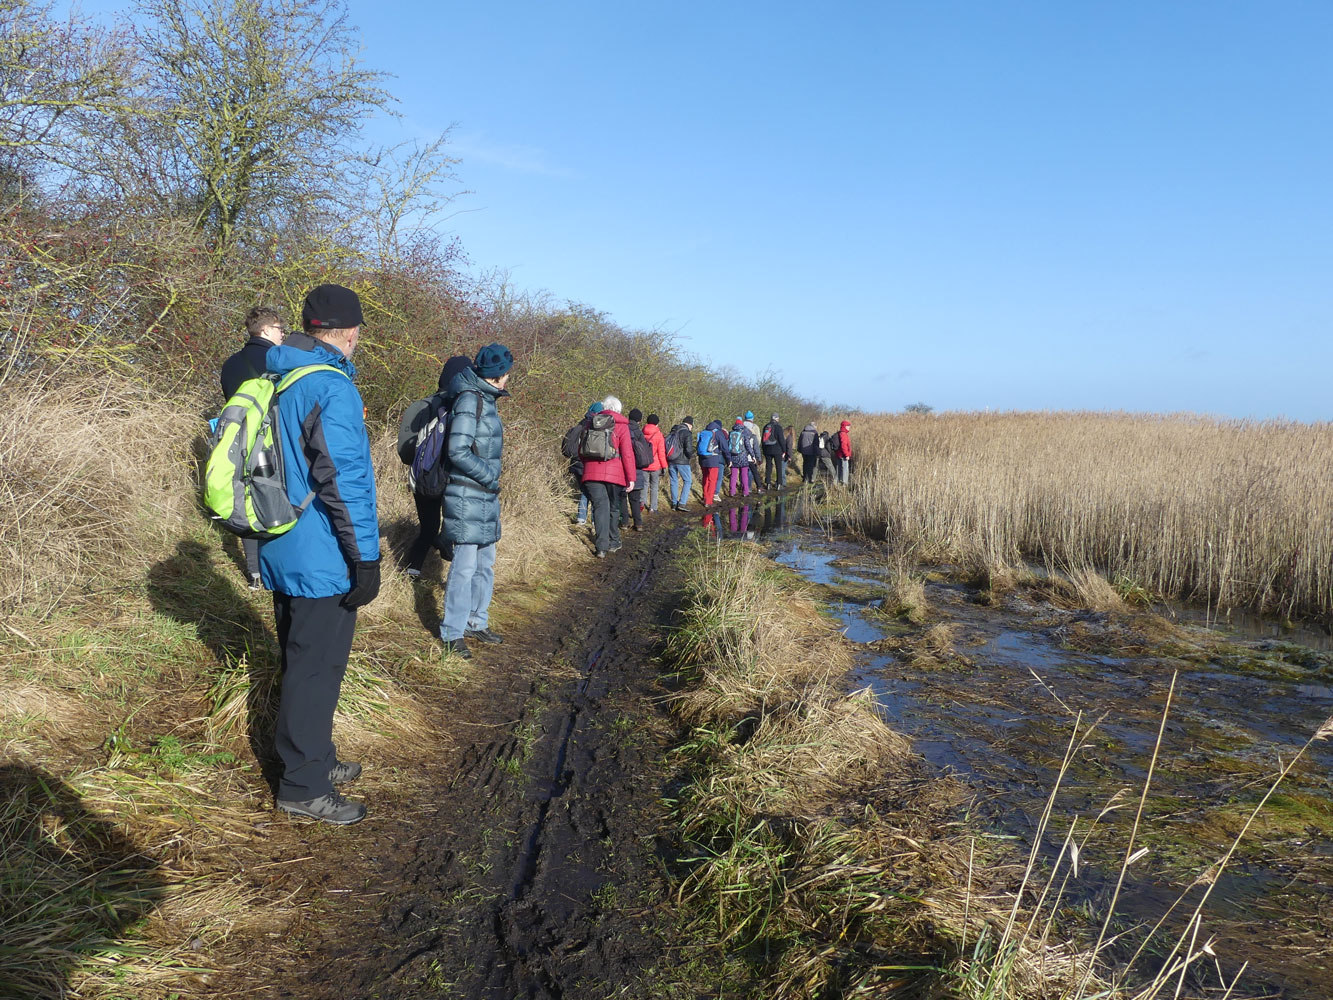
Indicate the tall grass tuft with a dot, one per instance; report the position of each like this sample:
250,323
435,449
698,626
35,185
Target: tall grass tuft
1232,513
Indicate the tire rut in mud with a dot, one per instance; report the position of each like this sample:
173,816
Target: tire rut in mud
535,879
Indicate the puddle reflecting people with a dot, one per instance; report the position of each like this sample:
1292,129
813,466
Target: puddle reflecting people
605,481
680,453
775,516
773,443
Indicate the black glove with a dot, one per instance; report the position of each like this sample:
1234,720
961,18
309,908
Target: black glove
366,587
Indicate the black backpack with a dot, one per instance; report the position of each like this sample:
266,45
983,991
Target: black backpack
643,449
806,442
430,462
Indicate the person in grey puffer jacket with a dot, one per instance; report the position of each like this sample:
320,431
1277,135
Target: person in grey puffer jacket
472,498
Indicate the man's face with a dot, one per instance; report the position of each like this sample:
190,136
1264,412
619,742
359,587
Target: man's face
273,333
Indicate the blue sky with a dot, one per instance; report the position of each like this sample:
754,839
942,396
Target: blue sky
1031,205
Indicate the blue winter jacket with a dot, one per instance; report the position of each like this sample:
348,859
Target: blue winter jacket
476,439
720,451
326,450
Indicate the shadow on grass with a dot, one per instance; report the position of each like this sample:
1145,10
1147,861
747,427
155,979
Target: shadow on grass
188,588
71,884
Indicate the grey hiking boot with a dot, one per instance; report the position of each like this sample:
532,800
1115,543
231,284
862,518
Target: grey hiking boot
344,771
456,647
331,808
483,635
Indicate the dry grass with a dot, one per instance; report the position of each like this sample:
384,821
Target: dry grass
905,595
1233,513
95,480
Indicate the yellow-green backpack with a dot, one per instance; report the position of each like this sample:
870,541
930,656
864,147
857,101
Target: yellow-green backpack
245,484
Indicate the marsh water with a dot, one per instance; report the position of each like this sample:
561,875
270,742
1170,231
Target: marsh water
994,703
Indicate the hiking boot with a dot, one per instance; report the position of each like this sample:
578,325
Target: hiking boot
615,547
600,554
456,647
344,771
483,635
413,573
331,808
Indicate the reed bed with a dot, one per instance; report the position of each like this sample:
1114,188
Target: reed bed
1228,513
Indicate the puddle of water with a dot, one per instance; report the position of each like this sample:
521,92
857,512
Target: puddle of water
1004,732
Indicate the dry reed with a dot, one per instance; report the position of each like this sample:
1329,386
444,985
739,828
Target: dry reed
1234,513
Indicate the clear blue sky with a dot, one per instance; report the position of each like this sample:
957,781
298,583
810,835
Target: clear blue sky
974,204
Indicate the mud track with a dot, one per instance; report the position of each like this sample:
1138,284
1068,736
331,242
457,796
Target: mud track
535,868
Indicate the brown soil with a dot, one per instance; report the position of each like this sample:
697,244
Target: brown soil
522,856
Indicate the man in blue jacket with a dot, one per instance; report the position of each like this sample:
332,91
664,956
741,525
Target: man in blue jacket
327,566
472,498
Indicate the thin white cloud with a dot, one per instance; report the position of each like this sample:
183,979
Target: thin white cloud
479,148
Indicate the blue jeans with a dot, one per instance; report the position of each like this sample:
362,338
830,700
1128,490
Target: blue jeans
681,479
467,592
583,506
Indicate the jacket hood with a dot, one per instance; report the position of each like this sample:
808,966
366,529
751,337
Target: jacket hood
810,427
713,425
846,424
651,431
301,349
469,381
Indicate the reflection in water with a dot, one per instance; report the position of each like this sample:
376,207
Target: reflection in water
747,522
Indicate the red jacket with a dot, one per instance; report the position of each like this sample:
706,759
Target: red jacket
619,470
654,435
845,439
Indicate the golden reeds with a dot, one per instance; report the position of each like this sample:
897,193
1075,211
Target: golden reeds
1232,513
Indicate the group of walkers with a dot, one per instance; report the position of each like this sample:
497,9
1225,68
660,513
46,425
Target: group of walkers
326,563
616,461
322,562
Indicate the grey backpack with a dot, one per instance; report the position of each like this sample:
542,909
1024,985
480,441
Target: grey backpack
598,441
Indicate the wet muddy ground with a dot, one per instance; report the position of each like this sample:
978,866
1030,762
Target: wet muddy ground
988,688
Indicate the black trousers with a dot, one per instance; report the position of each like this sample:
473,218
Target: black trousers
808,465
605,499
428,515
633,498
772,462
315,635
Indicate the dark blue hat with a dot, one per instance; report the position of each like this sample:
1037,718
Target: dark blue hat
493,360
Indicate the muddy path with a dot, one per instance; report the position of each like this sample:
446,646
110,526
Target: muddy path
527,862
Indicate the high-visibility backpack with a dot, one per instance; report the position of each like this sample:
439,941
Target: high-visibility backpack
430,460
598,441
736,441
245,483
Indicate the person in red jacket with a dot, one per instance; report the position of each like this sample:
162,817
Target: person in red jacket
653,433
606,480
844,451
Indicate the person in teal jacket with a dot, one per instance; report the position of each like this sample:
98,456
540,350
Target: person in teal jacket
472,498
327,565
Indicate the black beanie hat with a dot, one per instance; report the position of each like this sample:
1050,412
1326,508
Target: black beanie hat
652,418
635,414
331,307
493,360
688,420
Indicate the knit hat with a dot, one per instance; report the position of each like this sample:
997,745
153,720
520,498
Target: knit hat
331,307
749,414
493,360
652,418
636,415
688,420
595,407
739,420
774,417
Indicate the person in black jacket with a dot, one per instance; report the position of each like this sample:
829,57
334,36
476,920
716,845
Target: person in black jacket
264,327
774,446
